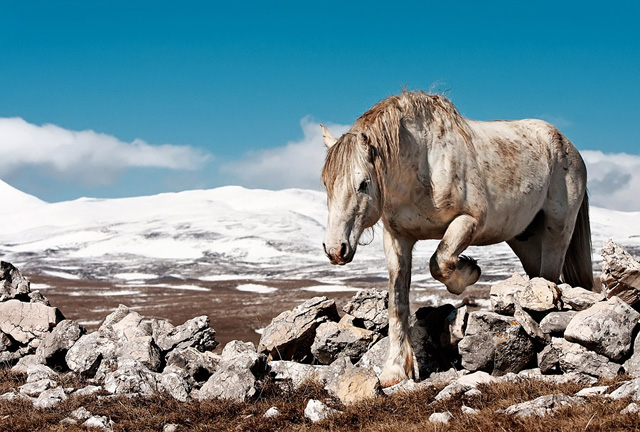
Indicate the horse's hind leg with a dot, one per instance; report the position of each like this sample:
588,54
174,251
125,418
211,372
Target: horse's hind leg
446,265
528,245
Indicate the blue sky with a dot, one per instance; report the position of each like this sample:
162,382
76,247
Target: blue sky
215,93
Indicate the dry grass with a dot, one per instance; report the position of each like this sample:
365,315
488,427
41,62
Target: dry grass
401,412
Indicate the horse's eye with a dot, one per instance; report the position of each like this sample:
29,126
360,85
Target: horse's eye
363,186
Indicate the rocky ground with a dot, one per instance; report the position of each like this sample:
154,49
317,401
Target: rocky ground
560,337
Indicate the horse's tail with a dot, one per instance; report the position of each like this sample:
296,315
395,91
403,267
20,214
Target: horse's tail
578,270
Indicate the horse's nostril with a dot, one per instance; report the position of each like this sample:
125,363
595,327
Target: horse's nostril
343,250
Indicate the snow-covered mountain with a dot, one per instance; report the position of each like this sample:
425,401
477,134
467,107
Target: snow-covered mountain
229,232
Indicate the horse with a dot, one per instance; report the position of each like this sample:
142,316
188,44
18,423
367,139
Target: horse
414,162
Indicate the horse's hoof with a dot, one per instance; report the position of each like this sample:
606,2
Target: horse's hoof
392,376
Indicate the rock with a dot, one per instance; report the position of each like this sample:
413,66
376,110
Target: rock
355,385
376,357
12,283
37,387
503,295
632,408
464,384
632,365
88,390
369,308
592,391
317,411
441,417
455,325
131,377
542,406
540,296
406,386
26,321
142,349
606,328
50,398
5,342
173,383
529,325
335,338
620,273
101,422
468,410
556,322
198,365
228,383
23,364
85,356
290,335
549,359
80,414
194,333
235,377
170,428
495,343
627,389
573,357
271,413
55,345
39,372
295,373
579,298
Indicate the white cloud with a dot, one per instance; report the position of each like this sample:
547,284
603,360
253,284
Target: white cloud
92,157
613,180
295,165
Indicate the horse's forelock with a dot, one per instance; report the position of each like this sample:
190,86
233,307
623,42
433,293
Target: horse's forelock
343,159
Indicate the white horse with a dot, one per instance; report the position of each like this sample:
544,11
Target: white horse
429,173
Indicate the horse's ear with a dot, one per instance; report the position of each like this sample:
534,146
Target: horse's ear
327,137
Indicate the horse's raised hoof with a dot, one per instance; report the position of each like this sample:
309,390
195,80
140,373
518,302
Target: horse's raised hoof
467,273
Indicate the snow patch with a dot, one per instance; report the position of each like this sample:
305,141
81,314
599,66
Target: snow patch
255,288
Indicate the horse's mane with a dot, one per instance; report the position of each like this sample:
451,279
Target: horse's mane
380,127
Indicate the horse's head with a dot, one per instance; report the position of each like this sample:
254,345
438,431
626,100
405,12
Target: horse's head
353,193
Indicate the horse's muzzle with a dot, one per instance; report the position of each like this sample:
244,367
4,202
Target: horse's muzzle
338,256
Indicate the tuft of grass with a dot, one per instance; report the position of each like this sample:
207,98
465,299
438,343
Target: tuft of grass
403,411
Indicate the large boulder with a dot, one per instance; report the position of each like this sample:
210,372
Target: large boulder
291,334
12,283
533,295
495,343
542,406
555,323
27,321
569,357
195,333
369,308
55,345
334,338
85,356
237,374
620,273
355,385
606,328
579,298
132,378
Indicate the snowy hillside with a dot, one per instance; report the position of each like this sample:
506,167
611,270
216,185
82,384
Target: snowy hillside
216,234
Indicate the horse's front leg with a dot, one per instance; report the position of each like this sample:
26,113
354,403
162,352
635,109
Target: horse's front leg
399,365
455,271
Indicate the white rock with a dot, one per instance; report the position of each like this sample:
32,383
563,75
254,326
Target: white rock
101,422
316,411
442,417
50,398
80,414
40,372
271,413
37,387
88,390
468,410
592,391
632,408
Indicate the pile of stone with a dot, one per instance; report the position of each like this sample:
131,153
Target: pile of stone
536,329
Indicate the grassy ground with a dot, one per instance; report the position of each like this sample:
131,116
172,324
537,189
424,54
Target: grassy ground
401,412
